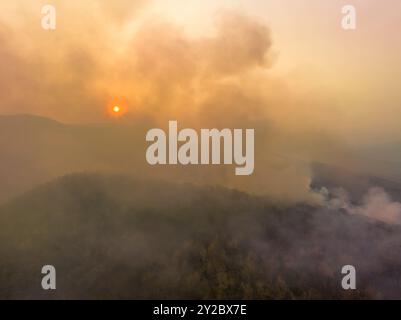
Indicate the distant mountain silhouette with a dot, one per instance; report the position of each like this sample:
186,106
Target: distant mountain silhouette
357,184
36,149
27,120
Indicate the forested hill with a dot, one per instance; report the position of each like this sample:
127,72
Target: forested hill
119,237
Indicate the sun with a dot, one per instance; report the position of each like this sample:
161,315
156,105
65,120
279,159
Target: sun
117,108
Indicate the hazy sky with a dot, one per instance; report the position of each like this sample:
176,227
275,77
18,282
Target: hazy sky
288,62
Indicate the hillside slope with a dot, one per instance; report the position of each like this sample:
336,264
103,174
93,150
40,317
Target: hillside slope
115,237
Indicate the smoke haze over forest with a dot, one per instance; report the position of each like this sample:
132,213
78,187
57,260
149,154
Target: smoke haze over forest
76,188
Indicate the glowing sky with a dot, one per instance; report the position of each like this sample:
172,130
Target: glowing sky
105,50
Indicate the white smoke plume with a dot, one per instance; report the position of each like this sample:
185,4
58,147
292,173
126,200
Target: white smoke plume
376,204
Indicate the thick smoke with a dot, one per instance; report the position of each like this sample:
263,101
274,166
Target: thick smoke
221,80
376,204
102,51
227,243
